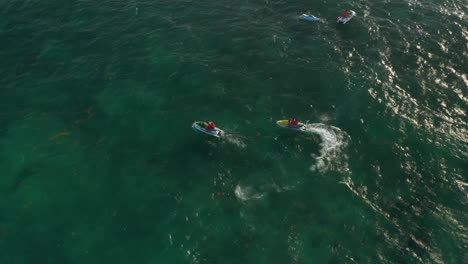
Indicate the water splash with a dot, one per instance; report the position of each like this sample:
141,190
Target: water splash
235,140
247,193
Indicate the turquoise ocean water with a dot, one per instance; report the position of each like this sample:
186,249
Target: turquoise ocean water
99,163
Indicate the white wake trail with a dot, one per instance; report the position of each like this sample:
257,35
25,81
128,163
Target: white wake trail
332,155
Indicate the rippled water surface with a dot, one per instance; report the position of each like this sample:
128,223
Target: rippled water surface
99,163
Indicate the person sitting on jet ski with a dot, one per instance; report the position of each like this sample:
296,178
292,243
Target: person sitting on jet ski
210,125
345,14
294,122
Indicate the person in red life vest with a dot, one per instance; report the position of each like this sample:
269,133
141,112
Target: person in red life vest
345,14
294,122
210,125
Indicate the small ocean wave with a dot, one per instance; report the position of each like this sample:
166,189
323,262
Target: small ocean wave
331,156
361,192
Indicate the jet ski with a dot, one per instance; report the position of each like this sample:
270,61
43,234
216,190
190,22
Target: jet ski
201,126
285,124
344,20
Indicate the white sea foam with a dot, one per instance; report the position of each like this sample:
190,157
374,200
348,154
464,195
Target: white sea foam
334,140
235,140
247,193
